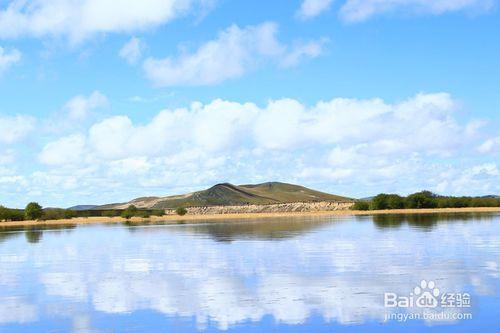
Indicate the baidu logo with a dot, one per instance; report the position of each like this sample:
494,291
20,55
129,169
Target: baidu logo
426,295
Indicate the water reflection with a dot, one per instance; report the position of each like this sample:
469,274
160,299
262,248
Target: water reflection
33,234
337,269
270,229
426,221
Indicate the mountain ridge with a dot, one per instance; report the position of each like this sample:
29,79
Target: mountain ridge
225,194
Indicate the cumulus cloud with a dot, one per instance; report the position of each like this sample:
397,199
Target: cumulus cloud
361,10
79,106
343,145
481,177
491,145
78,20
312,8
132,50
422,123
15,128
76,113
234,52
66,150
8,58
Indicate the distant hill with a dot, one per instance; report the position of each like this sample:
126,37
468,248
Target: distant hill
229,194
82,207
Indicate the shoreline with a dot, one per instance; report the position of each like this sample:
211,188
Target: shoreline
216,217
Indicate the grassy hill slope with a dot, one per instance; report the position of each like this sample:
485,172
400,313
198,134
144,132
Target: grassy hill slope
229,194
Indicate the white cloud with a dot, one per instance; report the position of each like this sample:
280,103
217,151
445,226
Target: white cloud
361,10
8,58
301,51
491,145
78,20
345,146
312,8
481,177
79,106
66,150
423,124
110,137
132,50
6,157
234,52
15,128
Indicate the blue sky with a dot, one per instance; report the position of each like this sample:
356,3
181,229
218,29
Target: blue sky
103,101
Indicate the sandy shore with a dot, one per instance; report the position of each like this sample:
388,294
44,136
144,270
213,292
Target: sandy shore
215,217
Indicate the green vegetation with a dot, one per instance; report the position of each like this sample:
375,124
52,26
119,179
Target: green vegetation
387,201
57,214
424,199
361,205
111,213
33,211
181,211
157,212
129,212
9,214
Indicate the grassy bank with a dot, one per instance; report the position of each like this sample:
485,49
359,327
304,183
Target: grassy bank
217,217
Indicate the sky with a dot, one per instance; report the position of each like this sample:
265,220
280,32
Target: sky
104,101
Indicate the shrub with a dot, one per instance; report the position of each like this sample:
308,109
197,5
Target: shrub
84,213
424,199
33,211
387,201
395,201
129,212
57,214
361,205
427,199
158,212
181,211
69,214
143,213
379,202
110,213
9,214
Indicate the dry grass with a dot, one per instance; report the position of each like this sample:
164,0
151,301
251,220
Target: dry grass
215,217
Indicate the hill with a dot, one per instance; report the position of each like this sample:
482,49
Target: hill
228,194
82,207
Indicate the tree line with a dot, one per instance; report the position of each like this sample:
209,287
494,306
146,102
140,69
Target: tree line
34,211
423,199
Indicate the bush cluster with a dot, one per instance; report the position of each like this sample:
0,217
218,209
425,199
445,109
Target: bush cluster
132,211
34,211
424,199
181,211
129,212
57,214
9,214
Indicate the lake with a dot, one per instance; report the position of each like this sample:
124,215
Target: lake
307,274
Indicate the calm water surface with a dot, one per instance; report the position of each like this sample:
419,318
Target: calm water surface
325,274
